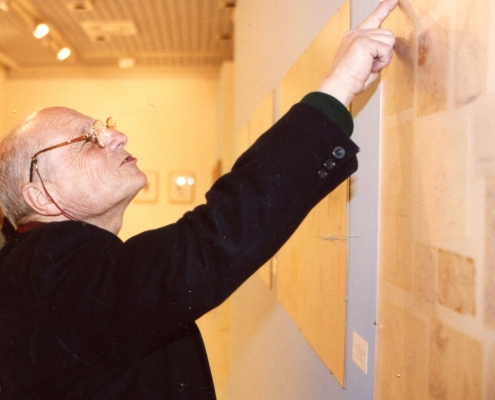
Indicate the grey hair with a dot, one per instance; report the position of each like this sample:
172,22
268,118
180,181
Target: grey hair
15,158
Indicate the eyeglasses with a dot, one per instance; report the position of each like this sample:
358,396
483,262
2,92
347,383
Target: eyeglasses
97,135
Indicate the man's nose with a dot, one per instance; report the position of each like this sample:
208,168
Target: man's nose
115,139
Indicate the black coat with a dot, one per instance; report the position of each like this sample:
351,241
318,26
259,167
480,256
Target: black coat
86,316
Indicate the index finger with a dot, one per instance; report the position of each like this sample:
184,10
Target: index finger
375,19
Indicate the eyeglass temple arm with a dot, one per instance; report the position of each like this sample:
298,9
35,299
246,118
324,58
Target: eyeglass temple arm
34,160
64,213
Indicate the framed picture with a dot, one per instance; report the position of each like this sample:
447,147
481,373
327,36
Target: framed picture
181,187
149,194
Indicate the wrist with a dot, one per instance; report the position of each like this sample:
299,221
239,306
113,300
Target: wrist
333,108
336,89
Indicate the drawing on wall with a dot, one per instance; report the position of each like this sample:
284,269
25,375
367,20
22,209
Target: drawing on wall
456,282
400,91
455,364
425,278
489,289
442,192
405,370
396,194
484,126
470,50
429,48
491,372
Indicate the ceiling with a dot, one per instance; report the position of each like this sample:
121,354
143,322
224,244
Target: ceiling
135,34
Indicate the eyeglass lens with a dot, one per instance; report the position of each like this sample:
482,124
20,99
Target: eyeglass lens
99,130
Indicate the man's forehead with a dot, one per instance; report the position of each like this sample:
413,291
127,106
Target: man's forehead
59,114
56,121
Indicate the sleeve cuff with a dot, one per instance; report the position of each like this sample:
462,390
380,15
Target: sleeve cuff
333,108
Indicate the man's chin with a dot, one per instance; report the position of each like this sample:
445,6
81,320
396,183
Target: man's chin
143,182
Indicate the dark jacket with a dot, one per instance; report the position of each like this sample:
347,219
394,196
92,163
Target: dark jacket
86,316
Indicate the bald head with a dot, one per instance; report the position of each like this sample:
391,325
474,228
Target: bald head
78,175
39,130
50,123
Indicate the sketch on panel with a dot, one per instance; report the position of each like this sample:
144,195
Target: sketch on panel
449,377
425,278
489,289
406,373
427,48
399,73
456,282
470,50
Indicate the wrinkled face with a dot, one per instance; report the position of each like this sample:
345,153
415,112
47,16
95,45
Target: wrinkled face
86,180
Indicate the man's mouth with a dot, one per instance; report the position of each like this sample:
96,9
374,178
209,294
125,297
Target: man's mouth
128,159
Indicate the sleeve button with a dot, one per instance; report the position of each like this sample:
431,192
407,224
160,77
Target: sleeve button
329,164
322,173
338,152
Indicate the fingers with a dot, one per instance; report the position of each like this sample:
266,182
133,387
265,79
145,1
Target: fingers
380,46
378,42
382,58
375,19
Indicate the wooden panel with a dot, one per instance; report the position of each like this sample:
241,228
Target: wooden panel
312,267
435,296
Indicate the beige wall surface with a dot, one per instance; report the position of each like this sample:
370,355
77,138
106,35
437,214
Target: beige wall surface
169,120
436,313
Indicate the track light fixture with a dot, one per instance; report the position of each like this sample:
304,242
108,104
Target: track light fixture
51,38
63,53
4,5
41,31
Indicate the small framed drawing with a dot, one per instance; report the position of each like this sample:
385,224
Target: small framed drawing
181,187
149,194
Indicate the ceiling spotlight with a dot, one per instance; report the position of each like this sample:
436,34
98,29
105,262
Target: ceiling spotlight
4,5
41,30
63,53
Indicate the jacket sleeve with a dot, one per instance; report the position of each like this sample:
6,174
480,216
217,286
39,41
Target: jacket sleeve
126,298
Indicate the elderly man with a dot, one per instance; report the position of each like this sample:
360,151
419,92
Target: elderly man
87,316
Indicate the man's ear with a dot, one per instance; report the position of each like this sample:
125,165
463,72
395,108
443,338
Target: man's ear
34,195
